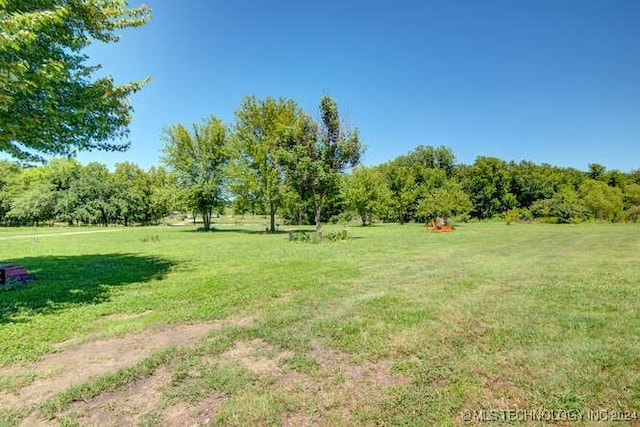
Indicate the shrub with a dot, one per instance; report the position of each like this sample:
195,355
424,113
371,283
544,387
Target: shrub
336,236
511,216
332,236
525,215
633,214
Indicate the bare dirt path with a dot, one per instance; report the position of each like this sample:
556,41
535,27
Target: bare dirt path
337,388
76,363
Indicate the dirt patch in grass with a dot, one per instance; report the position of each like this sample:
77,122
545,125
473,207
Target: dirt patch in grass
340,391
126,316
141,403
333,387
257,356
183,414
122,407
77,363
337,389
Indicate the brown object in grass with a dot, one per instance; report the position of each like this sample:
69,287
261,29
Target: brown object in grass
12,272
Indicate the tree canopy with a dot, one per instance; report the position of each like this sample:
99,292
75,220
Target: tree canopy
260,127
199,158
316,154
51,103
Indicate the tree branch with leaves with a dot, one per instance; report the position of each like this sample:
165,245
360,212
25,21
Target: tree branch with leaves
51,103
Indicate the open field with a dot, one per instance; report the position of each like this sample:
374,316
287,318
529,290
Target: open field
167,326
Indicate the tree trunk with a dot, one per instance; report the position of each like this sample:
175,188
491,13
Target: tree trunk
206,219
318,211
272,218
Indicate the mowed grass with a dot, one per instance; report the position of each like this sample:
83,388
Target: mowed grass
489,316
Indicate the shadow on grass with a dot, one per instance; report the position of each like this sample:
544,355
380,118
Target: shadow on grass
60,283
247,230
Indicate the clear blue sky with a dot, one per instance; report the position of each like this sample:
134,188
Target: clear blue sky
554,81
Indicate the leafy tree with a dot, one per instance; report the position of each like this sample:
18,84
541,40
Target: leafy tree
365,192
164,194
445,202
62,172
131,193
294,208
596,171
245,202
602,201
632,195
198,158
424,158
563,207
34,205
488,184
50,101
531,182
615,178
88,199
22,190
9,173
316,154
403,189
260,127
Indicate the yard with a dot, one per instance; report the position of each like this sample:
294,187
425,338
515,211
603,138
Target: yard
169,326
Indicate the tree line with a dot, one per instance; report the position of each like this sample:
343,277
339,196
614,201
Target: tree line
277,160
273,159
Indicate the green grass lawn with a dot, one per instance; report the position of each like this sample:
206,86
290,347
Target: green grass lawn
394,326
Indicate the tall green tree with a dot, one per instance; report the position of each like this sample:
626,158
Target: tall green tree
602,201
445,202
50,100
404,191
34,205
9,173
131,194
365,192
164,193
89,198
260,127
488,184
425,158
531,182
198,159
316,154
596,171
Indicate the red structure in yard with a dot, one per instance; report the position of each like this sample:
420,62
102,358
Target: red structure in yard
9,272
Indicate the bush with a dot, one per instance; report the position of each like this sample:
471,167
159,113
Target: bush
511,216
332,236
633,214
525,215
336,236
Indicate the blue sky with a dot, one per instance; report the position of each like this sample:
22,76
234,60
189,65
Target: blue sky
547,81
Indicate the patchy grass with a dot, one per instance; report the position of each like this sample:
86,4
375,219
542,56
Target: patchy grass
393,326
